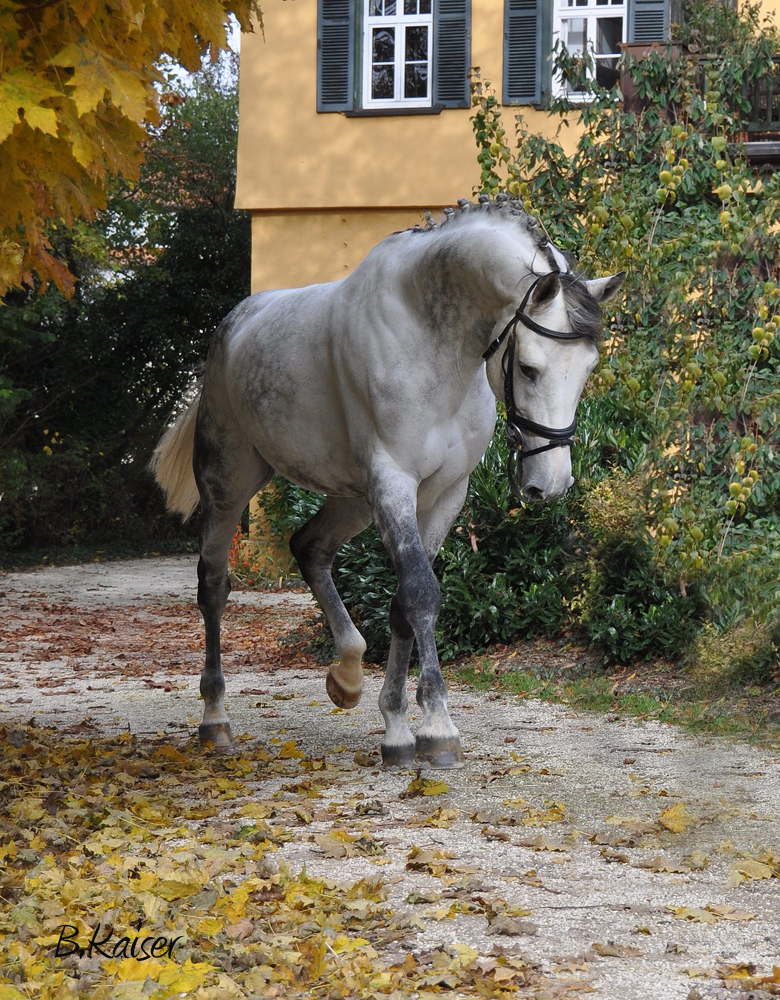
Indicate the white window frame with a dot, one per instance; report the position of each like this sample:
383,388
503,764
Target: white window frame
591,12
399,22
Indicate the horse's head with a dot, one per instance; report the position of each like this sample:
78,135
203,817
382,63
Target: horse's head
549,350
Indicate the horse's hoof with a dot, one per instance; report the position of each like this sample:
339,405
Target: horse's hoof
218,734
443,753
400,755
339,696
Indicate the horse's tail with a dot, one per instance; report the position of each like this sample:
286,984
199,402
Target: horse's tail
172,461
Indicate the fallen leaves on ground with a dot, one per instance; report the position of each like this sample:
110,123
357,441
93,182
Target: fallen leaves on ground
765,865
138,639
110,842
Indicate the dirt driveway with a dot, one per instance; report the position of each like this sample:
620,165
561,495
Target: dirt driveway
574,854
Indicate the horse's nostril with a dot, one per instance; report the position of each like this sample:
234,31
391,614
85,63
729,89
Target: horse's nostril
533,493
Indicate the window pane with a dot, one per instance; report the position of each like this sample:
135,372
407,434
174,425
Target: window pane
606,71
410,6
389,7
575,35
416,81
375,8
425,6
417,44
383,45
383,83
609,33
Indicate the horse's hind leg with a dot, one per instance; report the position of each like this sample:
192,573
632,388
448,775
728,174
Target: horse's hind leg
229,471
315,546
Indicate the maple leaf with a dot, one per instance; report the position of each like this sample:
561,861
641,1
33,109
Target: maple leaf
22,90
676,818
750,870
424,786
76,82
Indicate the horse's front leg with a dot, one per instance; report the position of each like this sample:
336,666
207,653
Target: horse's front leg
414,612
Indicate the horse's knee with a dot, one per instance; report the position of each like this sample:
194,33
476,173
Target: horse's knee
399,623
418,595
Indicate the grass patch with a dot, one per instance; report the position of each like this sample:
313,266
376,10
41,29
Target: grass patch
662,693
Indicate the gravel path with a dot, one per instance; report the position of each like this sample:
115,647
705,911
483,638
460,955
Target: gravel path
595,832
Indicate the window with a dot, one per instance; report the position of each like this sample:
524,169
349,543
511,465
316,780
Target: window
397,53
393,56
596,27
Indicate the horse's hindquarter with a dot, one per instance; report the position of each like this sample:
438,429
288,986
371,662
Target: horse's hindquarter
278,375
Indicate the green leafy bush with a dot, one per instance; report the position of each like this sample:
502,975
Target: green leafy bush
682,415
670,544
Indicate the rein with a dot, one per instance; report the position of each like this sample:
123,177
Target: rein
516,423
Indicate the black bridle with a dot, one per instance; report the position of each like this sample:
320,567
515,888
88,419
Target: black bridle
516,423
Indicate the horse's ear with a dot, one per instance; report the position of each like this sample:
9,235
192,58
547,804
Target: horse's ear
546,289
602,289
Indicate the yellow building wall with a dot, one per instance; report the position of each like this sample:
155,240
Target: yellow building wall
771,9
325,188
293,248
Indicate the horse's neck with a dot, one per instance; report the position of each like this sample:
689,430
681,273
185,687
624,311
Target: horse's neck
465,280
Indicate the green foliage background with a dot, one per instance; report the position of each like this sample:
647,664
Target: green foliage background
669,546
86,384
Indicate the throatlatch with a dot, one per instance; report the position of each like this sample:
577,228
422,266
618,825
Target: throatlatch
516,423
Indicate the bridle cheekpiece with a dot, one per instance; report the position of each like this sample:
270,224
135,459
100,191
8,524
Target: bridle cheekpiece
516,423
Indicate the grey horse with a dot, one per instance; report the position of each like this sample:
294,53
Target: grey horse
378,391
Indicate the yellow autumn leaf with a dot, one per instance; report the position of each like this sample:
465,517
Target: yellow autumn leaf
729,912
289,751
170,753
676,819
22,88
125,969
27,809
95,73
234,905
186,977
255,810
343,944
171,889
11,993
441,818
210,926
146,881
426,786
693,913
7,850
749,870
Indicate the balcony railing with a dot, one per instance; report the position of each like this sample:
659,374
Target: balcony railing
764,98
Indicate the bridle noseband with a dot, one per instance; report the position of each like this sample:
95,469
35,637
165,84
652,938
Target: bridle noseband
516,423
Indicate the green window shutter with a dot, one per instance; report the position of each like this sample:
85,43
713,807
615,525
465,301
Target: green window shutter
648,21
522,51
451,53
335,55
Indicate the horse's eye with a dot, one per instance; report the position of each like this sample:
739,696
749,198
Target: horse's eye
529,373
